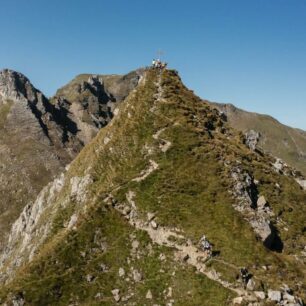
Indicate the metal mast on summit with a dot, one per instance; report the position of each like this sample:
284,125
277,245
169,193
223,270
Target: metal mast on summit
157,63
159,54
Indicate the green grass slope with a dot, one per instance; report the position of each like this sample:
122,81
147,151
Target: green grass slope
280,140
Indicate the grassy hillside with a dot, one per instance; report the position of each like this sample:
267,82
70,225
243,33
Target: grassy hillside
282,141
162,124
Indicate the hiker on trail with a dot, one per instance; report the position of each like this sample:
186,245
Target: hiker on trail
206,246
244,275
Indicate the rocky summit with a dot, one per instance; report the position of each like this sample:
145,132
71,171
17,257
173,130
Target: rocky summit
89,101
166,205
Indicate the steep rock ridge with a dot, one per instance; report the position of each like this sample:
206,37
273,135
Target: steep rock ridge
38,137
89,101
127,205
28,105
31,153
282,141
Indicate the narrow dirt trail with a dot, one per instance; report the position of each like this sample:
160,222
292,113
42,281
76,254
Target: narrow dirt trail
159,94
145,173
184,250
164,144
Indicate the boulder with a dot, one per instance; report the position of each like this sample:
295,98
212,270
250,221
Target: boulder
261,202
169,293
103,267
149,295
288,297
260,294
250,285
162,257
278,165
137,276
98,296
126,210
150,216
73,221
106,140
285,288
116,294
121,272
238,300
18,300
89,278
302,183
127,297
213,274
154,224
262,228
251,139
274,295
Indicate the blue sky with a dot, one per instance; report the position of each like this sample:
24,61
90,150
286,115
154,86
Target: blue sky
251,53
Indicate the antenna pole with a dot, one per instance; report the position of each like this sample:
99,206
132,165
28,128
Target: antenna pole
159,54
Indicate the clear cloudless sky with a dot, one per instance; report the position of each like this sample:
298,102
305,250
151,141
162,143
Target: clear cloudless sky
251,53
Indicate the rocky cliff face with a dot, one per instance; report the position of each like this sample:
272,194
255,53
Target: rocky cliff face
89,102
27,106
123,224
39,137
31,152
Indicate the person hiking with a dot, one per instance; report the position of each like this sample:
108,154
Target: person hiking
206,246
244,275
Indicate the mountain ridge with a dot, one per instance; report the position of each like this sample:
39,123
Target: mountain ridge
168,154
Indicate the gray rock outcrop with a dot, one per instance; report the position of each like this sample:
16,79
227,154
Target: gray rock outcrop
302,183
89,101
251,139
254,208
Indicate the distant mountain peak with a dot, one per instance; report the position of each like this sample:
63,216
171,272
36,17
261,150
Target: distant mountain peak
280,140
15,86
